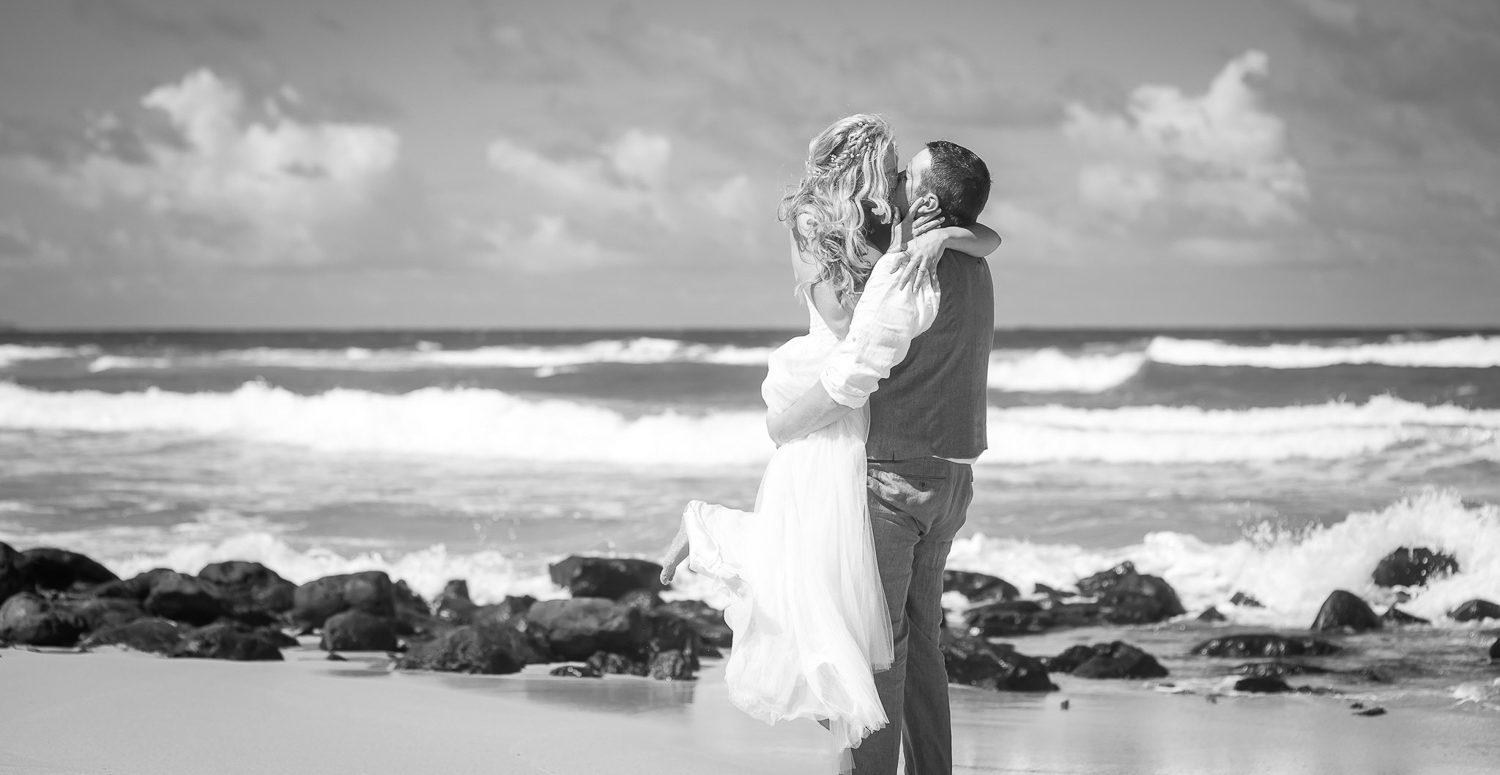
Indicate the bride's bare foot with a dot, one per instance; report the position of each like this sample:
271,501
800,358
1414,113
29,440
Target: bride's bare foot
676,553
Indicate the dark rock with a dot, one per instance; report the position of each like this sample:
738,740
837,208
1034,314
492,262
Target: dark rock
13,578
1264,645
706,620
1345,610
334,656
643,600
976,662
406,599
454,604
49,568
1070,659
1396,616
184,598
1257,685
1495,650
152,634
49,628
100,612
605,576
669,632
358,631
223,640
1130,597
978,586
577,628
617,664
1245,601
509,609
1375,711
1474,610
576,671
250,584
1278,669
20,606
369,591
1211,614
673,666
1007,617
1408,567
1120,660
487,650
1049,592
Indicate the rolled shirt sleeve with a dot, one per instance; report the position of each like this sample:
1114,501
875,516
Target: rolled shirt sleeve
886,320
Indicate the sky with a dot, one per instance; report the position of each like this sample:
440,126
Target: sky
359,163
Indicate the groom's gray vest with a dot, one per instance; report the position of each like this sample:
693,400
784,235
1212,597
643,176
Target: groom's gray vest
933,403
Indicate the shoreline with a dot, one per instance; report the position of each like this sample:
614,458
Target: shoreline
125,712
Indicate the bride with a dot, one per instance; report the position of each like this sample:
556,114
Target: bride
807,609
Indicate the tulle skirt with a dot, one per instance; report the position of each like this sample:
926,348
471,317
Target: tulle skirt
808,610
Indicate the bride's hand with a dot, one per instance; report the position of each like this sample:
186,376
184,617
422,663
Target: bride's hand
917,260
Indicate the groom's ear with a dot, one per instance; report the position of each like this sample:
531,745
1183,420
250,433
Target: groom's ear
925,204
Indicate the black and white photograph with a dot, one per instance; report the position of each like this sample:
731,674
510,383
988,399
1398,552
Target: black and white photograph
672,387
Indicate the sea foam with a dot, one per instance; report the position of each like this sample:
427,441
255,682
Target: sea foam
1474,352
1290,572
485,423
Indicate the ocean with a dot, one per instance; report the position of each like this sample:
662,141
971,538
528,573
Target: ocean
1278,463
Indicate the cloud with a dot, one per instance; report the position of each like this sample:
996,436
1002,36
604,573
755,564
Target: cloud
625,175
246,188
20,246
123,15
1218,153
550,244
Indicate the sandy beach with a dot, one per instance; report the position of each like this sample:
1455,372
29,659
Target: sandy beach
121,712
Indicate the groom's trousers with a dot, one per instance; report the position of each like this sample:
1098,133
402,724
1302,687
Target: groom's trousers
916,507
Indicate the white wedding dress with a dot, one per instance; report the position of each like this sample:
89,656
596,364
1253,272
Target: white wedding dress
808,612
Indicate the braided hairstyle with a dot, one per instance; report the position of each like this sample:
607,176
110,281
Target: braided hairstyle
846,174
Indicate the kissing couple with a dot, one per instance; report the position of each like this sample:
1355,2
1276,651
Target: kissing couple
878,413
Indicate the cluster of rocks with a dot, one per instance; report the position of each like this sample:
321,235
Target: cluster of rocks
1404,568
1121,596
616,622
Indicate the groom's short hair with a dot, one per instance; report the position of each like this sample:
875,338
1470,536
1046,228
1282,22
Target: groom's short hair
960,180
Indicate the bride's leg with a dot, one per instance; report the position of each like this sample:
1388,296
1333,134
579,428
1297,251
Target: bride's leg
676,552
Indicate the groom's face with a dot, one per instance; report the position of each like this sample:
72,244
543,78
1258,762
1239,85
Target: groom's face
916,175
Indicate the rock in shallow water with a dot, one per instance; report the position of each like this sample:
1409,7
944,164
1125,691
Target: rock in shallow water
1263,645
229,641
1408,567
184,598
1398,617
976,662
576,671
1475,609
1345,610
579,627
1130,597
50,628
1258,685
487,650
607,577
358,631
1119,660
152,634
1211,614
979,586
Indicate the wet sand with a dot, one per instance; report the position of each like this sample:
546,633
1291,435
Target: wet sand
119,712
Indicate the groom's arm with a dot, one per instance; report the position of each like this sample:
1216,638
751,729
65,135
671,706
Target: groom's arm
886,320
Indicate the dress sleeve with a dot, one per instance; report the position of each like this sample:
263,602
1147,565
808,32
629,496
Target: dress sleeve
885,322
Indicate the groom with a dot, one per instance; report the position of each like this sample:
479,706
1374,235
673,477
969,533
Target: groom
927,426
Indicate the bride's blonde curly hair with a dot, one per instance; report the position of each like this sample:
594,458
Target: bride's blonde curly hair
846,173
